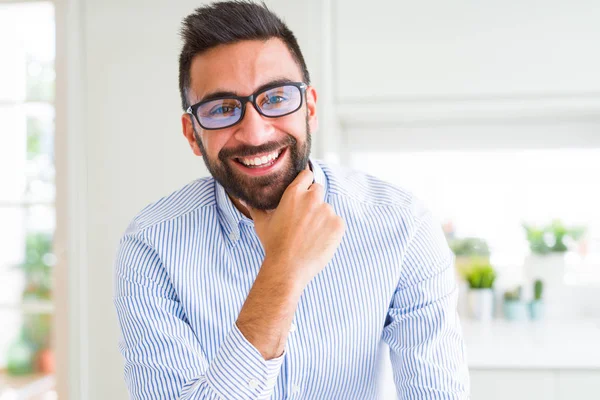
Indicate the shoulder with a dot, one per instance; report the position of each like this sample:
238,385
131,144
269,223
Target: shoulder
369,191
197,194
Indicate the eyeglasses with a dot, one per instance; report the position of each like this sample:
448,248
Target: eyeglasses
272,102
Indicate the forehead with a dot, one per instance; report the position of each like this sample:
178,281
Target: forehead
241,67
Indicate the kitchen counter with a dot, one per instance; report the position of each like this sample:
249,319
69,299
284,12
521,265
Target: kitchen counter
554,344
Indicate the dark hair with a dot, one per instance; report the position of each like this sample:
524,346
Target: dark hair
230,22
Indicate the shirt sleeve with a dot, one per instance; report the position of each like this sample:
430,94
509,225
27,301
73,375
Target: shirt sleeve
422,329
163,357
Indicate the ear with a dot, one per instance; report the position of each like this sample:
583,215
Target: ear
188,131
311,105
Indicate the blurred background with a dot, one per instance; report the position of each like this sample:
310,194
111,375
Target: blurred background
488,111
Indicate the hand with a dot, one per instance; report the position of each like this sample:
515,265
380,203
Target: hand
301,235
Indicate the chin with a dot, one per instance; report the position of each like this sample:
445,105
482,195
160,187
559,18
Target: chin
265,201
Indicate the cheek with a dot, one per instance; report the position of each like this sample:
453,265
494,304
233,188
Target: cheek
293,124
213,143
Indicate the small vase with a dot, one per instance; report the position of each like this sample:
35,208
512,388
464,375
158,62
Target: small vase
550,269
515,310
536,310
46,361
481,304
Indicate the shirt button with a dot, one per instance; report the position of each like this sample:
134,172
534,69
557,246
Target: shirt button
295,388
234,236
292,328
272,381
253,383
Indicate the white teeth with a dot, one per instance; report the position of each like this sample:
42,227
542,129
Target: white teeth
260,160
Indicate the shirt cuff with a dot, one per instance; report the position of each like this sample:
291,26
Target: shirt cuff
239,368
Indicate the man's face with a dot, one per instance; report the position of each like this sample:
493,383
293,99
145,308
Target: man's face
241,69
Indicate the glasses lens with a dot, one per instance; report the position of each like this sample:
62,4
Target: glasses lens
219,113
280,100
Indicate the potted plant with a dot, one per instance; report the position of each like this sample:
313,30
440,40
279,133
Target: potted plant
536,306
37,267
31,351
467,250
550,239
481,277
513,306
548,245
20,357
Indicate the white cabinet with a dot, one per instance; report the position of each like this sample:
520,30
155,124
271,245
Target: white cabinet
512,384
525,384
401,49
580,385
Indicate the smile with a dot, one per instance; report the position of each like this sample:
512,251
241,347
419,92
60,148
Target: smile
263,161
261,164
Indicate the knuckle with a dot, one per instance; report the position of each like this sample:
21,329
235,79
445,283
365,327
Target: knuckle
339,226
328,209
315,195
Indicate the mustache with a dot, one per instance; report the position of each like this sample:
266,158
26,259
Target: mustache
249,151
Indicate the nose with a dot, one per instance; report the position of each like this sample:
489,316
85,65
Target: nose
254,129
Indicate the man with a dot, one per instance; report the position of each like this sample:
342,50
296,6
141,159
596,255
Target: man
278,276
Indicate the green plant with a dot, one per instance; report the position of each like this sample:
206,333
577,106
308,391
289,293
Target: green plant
469,246
481,275
551,238
538,289
37,266
468,250
513,295
36,328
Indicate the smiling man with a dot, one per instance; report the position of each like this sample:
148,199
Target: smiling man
278,276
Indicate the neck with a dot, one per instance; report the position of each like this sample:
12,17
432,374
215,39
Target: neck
238,204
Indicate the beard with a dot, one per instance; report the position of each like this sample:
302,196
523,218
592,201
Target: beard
260,192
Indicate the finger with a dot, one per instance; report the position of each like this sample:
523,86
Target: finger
317,187
317,191
303,180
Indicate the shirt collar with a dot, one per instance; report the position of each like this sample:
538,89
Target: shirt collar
231,217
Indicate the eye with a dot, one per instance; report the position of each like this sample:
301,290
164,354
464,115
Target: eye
274,99
222,110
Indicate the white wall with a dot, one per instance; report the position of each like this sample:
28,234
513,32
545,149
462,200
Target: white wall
128,131
464,74
465,49
134,150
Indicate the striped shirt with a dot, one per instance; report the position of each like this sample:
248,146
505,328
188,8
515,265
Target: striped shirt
187,262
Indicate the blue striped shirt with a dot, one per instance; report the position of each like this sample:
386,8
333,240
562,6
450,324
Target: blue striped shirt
187,262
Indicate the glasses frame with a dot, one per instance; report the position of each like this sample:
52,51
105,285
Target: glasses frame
252,99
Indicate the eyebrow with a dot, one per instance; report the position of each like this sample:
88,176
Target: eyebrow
224,93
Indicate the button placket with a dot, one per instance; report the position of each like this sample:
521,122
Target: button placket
272,381
295,389
234,236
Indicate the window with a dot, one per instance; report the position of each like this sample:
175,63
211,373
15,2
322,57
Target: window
27,193
489,194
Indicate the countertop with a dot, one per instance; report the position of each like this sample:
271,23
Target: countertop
555,344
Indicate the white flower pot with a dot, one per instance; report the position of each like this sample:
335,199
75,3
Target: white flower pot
550,269
481,304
